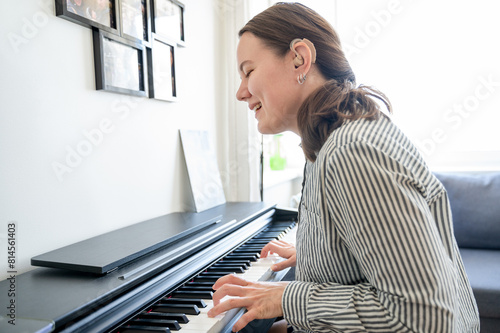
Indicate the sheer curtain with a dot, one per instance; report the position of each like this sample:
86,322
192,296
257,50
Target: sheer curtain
239,141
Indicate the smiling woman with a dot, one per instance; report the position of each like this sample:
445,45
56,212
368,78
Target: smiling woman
266,53
375,237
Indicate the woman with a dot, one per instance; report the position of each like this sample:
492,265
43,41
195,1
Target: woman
375,247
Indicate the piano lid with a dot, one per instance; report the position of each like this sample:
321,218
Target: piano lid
104,253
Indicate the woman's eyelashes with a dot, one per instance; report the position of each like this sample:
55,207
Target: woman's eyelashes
248,73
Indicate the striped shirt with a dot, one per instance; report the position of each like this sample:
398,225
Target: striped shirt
375,244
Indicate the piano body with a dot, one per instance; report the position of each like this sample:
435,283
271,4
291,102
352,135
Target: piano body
146,274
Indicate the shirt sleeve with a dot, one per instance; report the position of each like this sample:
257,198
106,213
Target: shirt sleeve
378,208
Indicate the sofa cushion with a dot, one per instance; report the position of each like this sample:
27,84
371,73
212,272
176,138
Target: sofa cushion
475,206
483,270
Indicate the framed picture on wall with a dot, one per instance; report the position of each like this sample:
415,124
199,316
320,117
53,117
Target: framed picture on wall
161,69
102,14
169,20
136,20
119,64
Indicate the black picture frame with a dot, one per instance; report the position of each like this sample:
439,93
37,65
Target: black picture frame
135,20
168,20
119,64
162,81
91,13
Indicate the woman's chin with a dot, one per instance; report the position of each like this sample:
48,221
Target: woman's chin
263,129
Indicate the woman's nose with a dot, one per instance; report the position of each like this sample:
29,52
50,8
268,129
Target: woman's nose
243,92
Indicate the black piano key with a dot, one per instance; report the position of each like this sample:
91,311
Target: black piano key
196,288
281,227
235,262
225,270
177,308
260,241
249,247
269,235
237,256
209,275
143,329
229,264
212,274
210,279
193,294
245,251
200,284
198,302
180,317
172,324
261,244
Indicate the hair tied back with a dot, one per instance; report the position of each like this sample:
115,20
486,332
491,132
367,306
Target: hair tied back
346,86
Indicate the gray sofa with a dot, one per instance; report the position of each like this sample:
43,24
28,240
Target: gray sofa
475,206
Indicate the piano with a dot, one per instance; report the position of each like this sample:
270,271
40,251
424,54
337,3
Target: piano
155,276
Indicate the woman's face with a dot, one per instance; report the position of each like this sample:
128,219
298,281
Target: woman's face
269,86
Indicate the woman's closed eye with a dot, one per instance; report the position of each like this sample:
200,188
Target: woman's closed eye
248,73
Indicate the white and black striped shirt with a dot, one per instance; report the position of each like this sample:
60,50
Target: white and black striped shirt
375,244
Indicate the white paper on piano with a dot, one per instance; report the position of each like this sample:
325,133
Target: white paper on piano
203,171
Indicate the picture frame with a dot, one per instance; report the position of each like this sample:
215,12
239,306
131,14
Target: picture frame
135,20
161,69
168,20
119,64
101,14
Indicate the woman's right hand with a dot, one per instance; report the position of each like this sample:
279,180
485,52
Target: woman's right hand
284,250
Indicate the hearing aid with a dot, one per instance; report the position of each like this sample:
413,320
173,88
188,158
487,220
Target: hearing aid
298,60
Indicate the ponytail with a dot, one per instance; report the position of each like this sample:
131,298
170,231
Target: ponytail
329,106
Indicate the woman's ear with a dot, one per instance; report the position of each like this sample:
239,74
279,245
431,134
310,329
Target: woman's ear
304,53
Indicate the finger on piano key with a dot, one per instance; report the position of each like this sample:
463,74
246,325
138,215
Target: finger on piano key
202,321
246,257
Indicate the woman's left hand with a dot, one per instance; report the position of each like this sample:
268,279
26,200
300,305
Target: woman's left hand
261,299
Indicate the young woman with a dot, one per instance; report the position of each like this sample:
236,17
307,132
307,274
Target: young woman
375,246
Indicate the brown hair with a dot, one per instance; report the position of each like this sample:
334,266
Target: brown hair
339,98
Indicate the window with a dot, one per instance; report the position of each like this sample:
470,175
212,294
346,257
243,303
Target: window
438,62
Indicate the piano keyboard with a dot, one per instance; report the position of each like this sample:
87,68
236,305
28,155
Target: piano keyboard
185,309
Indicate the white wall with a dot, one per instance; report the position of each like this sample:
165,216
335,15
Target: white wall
48,102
